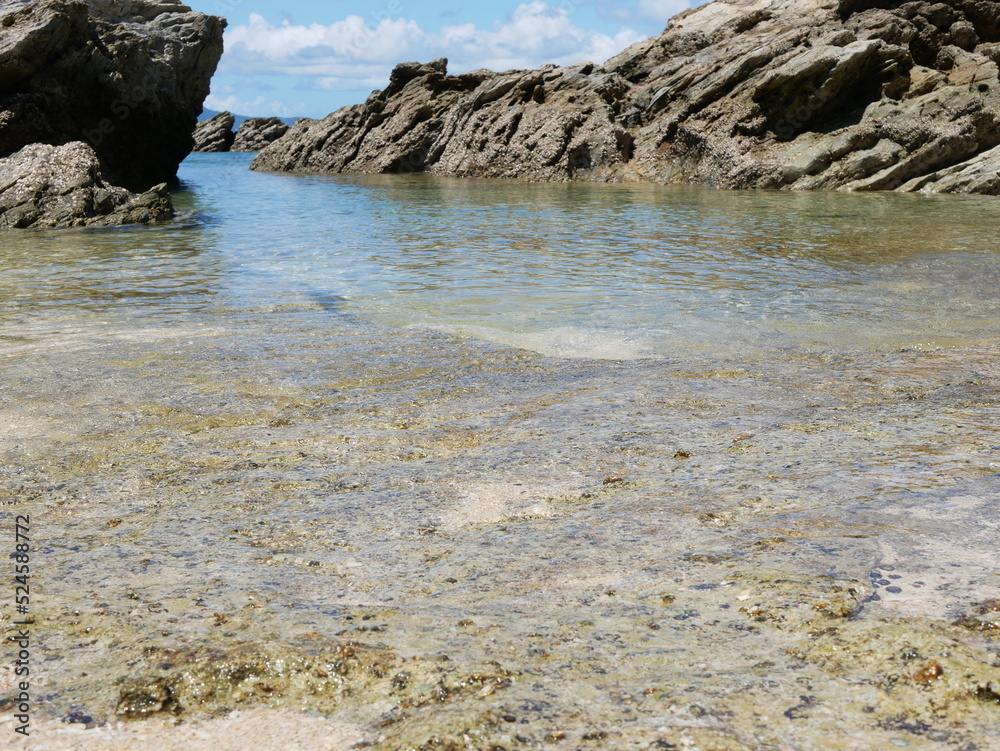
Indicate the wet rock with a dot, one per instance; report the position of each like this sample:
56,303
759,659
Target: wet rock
932,671
129,78
65,186
984,616
988,692
77,717
802,94
215,134
257,132
141,699
185,681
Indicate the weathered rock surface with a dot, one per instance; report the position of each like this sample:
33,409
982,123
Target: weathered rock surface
981,174
214,134
64,186
257,132
801,94
126,76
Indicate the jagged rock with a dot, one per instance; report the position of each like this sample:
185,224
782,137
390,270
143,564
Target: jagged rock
981,174
524,123
801,94
214,134
126,76
257,132
64,186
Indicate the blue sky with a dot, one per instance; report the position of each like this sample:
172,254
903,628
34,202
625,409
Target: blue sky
301,57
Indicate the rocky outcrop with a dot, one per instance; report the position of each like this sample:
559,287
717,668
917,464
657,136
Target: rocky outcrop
800,94
214,134
257,132
126,76
64,186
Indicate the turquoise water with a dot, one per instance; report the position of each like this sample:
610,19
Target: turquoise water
611,271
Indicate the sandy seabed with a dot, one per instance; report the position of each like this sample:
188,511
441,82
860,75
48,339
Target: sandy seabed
253,729
360,538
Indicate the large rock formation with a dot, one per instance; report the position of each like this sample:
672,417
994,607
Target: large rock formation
126,76
64,186
257,132
856,94
214,134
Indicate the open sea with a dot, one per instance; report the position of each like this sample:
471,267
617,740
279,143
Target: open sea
661,463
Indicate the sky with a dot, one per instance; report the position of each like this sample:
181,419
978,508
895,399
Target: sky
294,58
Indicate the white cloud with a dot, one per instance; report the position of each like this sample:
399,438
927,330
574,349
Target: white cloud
351,55
256,107
302,50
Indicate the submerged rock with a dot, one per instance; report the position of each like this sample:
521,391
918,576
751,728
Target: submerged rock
64,186
801,94
129,78
214,134
257,132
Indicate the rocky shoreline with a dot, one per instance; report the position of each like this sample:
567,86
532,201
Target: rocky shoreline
739,94
745,94
116,88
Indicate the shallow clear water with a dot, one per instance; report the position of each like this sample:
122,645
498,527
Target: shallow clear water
235,430
613,270
576,270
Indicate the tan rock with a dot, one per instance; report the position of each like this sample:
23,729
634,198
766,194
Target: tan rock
257,132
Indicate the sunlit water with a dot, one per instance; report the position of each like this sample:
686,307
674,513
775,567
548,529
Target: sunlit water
732,399
619,271
611,271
